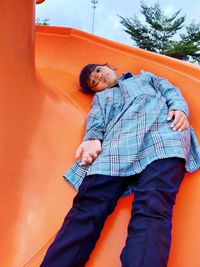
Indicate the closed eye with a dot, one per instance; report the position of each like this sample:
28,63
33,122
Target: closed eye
93,83
98,69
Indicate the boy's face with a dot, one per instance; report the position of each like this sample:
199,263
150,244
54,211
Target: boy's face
101,78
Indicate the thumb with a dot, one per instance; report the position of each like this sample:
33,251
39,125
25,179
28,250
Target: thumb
170,115
79,151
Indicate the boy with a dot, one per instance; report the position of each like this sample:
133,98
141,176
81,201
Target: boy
137,139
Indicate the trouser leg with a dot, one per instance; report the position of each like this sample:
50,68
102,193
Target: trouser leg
96,199
149,230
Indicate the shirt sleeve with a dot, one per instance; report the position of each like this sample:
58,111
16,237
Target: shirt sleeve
172,94
95,126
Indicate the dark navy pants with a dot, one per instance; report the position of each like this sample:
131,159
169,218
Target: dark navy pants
149,230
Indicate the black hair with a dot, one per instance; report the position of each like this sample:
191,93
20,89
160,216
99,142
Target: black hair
84,76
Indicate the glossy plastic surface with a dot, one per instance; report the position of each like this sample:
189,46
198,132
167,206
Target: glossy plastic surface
43,117
39,1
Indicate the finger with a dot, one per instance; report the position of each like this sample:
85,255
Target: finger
183,127
170,115
86,160
93,155
86,154
95,152
182,123
83,163
98,150
178,123
176,119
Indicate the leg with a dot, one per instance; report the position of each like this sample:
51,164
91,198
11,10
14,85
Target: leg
96,199
149,230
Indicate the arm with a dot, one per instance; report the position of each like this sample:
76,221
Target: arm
95,127
175,99
178,108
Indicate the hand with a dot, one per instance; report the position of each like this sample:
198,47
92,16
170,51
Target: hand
88,151
180,122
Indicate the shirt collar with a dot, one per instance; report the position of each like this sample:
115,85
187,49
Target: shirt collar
124,76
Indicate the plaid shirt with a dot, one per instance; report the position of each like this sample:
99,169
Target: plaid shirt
130,119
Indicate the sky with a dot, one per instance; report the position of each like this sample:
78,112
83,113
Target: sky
79,14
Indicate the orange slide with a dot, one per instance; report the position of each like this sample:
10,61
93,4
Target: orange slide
42,123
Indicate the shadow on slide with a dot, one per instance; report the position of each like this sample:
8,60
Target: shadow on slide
39,194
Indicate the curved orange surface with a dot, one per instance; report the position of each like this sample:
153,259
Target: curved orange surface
39,1
43,118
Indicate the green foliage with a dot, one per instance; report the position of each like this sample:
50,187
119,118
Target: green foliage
158,32
42,22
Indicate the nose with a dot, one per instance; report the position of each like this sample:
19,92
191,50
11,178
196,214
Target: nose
99,75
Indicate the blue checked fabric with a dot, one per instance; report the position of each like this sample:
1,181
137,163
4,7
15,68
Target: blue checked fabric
130,119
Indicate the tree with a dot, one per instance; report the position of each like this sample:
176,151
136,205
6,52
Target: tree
159,33
42,22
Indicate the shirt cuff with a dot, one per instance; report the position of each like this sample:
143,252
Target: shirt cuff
92,136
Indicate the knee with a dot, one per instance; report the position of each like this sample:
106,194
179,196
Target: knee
154,203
